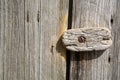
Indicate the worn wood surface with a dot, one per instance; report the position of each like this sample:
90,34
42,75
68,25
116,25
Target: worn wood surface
30,45
87,39
115,51
95,65
30,31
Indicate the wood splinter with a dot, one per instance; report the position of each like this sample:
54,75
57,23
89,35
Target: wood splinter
87,39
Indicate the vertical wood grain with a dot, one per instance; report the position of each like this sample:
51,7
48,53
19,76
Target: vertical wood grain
93,65
30,45
12,39
115,52
53,20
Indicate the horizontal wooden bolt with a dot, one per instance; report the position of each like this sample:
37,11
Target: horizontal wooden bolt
87,39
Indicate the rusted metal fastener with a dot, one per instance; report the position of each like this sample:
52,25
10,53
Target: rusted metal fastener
82,39
87,39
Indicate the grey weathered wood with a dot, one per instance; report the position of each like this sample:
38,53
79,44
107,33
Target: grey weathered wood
12,39
94,65
30,46
115,50
53,20
87,39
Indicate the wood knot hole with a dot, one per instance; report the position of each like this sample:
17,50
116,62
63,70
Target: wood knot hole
82,39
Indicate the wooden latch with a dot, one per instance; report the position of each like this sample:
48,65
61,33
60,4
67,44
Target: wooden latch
87,39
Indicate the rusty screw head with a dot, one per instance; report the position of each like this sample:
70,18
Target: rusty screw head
82,39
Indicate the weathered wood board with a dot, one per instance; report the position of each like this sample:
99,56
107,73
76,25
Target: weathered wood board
29,34
93,65
115,50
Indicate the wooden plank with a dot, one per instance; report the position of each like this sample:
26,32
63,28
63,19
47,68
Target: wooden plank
94,65
31,38
43,46
53,20
12,39
30,44
43,20
115,51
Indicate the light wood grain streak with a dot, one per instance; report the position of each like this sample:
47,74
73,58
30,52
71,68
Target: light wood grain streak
115,51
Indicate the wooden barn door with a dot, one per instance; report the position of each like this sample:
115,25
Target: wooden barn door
30,40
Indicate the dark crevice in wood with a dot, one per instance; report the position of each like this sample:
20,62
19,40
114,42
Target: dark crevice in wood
77,59
51,49
38,16
105,38
68,65
68,55
27,16
111,20
70,14
109,59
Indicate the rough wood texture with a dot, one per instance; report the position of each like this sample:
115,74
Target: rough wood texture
87,39
94,65
115,50
29,34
